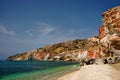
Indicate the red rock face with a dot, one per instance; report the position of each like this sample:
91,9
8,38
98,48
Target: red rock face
93,54
39,56
90,54
101,32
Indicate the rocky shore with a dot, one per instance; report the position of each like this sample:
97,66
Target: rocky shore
104,48
109,51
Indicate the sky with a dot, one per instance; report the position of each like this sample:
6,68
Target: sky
30,24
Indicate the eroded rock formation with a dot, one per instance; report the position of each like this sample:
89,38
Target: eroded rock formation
109,33
65,51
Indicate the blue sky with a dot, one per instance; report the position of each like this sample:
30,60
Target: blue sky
31,24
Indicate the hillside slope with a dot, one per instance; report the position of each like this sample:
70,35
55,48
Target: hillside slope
66,51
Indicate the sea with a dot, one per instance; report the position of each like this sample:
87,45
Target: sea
35,70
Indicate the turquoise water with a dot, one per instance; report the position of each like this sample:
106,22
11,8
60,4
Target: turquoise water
35,70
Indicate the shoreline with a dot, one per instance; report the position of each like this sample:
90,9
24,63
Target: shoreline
48,74
95,72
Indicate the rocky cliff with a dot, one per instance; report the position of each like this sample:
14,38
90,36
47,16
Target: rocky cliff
106,45
66,51
109,33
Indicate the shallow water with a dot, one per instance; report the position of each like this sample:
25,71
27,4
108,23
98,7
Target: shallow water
35,70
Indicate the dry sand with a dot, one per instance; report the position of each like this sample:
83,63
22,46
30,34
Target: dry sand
95,72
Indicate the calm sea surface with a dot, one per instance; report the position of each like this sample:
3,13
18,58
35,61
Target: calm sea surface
23,70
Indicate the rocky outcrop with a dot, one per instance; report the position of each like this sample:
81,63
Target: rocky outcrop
65,51
109,33
111,20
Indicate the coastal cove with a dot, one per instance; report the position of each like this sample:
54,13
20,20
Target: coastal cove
59,40
39,70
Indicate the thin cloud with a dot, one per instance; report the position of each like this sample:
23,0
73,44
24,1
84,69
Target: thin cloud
45,28
4,30
41,29
29,32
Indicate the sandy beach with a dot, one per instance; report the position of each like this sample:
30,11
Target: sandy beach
95,72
